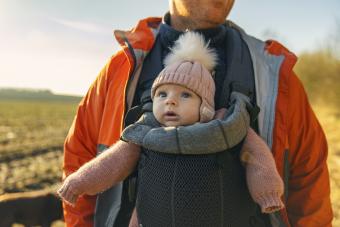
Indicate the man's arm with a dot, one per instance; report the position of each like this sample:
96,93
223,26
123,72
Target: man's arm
81,143
308,201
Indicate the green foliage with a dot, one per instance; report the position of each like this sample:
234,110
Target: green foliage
320,74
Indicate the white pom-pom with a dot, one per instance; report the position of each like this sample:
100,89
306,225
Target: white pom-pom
191,47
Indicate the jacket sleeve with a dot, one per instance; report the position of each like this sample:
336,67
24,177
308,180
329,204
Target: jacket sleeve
308,201
80,145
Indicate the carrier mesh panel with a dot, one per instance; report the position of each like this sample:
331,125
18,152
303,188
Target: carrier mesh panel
200,190
196,190
153,198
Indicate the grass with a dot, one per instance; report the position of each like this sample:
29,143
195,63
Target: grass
35,124
31,139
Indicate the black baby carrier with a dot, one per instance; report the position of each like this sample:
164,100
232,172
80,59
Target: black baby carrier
201,190
189,190
196,190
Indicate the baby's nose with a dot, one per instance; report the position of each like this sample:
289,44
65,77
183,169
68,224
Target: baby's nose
170,101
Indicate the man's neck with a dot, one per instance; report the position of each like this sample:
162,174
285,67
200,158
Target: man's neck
181,23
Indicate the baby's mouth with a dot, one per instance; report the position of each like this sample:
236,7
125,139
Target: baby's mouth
170,116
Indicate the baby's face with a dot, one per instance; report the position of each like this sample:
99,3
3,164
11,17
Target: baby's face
174,105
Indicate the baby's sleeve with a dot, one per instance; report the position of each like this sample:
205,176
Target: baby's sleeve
264,182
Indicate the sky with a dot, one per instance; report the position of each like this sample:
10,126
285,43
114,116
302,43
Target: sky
62,45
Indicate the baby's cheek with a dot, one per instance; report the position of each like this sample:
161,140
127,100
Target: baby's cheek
158,116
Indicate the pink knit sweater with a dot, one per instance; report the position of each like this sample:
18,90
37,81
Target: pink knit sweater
263,180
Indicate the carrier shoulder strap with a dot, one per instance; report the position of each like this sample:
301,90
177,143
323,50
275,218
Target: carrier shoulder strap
152,66
240,73
239,77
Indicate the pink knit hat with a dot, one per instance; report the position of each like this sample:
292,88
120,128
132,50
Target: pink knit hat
189,65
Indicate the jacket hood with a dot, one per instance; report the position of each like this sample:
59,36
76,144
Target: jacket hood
141,36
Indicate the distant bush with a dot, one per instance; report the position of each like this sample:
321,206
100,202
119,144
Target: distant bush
320,74
34,94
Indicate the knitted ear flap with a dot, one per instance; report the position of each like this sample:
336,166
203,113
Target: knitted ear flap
207,112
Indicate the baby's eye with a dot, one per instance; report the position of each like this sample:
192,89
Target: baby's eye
162,94
186,95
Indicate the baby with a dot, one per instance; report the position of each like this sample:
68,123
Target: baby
181,123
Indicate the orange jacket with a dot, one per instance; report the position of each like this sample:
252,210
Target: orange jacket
296,138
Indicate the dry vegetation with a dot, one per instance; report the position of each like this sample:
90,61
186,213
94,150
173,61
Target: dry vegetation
320,73
32,132
330,121
31,138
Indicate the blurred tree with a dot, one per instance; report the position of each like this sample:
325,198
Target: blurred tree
320,70
320,73
334,42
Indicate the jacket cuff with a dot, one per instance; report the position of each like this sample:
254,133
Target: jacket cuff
270,202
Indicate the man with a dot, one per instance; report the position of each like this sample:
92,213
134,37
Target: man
286,121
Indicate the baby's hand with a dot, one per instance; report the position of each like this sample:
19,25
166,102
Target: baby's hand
219,114
69,191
